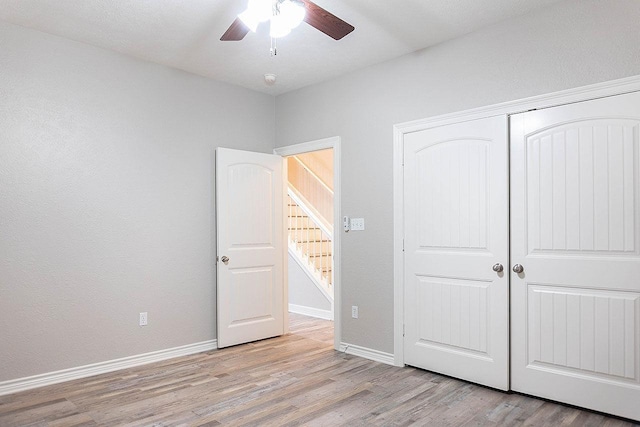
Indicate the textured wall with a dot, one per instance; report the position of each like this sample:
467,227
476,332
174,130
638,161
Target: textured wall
106,201
570,44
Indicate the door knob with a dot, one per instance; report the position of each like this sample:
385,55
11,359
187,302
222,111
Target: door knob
498,268
518,268
225,259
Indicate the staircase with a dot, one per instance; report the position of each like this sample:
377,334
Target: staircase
311,242
310,198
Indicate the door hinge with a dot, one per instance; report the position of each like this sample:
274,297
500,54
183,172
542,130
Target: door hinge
403,329
402,245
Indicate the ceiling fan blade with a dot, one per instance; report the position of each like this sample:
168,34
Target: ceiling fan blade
236,31
325,21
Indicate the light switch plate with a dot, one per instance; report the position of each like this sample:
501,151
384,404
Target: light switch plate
357,224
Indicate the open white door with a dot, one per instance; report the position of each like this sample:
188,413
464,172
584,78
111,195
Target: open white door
456,237
250,249
575,218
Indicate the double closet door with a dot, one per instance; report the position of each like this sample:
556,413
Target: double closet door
522,252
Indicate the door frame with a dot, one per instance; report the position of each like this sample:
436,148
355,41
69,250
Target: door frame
305,147
584,93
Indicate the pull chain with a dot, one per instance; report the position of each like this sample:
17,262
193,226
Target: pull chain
274,43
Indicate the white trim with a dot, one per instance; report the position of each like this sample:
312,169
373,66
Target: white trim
367,353
321,144
27,383
398,247
568,96
311,311
306,147
285,257
337,242
579,94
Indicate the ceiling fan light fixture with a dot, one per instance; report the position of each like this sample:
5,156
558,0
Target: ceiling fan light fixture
292,12
249,19
279,27
257,11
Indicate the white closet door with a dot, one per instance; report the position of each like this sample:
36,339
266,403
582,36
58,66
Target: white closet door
575,192
456,230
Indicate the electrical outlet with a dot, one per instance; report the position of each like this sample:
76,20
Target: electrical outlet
354,311
143,319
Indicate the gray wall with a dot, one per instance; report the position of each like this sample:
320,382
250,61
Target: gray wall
106,178
302,290
570,44
106,201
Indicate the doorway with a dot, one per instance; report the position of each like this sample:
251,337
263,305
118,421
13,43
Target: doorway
313,210
309,212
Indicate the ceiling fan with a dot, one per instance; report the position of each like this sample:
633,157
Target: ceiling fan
262,10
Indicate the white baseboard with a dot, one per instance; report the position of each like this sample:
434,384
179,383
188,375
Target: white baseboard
26,383
310,311
367,353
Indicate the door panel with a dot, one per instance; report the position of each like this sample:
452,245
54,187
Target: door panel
249,203
575,308
456,213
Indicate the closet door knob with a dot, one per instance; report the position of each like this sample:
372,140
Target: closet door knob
518,268
498,268
225,259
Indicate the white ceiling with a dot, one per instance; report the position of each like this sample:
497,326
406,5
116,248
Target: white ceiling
185,34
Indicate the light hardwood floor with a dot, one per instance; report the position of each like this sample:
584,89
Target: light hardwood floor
297,379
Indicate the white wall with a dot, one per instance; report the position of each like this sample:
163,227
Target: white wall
303,292
570,44
106,200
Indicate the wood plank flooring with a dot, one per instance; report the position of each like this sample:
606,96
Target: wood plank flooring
297,379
